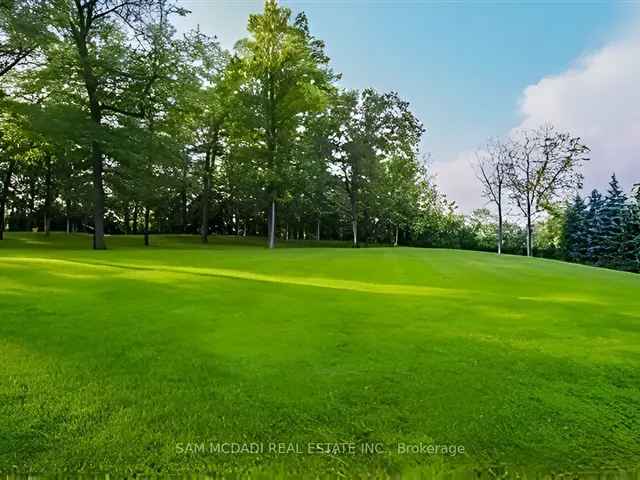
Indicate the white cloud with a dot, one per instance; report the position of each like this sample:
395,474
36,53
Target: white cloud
458,180
597,98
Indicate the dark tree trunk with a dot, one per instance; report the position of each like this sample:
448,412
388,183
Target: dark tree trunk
47,196
6,188
67,210
272,224
134,219
206,189
183,210
33,219
81,35
183,193
146,226
354,220
98,198
127,218
318,229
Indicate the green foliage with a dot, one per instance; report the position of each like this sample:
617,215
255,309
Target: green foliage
604,233
575,238
284,75
614,216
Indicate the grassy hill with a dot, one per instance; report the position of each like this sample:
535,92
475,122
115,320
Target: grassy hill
124,359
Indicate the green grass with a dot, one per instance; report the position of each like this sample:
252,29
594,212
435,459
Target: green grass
110,359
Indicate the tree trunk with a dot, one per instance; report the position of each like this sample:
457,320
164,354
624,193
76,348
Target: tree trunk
127,218
6,187
272,224
395,243
354,221
318,229
67,209
98,194
33,218
529,233
146,226
47,197
134,220
499,229
81,37
206,188
183,194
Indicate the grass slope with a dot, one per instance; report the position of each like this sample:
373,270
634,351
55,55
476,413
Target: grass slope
110,359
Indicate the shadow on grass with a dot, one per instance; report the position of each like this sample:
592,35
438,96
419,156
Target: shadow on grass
80,241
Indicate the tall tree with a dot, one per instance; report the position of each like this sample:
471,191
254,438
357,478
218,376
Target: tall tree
574,231
96,32
614,217
371,128
632,239
286,75
543,166
491,170
594,228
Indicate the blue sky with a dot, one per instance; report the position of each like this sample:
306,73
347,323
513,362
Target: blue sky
464,66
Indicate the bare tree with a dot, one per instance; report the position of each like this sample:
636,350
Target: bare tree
491,170
543,166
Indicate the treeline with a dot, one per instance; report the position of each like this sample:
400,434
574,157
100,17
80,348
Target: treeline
533,172
605,230
112,123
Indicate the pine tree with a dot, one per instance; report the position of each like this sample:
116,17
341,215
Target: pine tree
632,234
594,228
574,232
614,216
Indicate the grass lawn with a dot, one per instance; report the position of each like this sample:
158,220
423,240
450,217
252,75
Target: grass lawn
126,359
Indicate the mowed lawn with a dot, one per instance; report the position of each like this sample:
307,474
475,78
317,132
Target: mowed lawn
117,360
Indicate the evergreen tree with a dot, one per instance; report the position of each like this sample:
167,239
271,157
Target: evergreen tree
574,232
594,228
631,248
614,215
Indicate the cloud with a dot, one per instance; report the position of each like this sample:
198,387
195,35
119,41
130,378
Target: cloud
458,180
597,98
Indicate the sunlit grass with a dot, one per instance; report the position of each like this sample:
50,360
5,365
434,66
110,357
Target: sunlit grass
109,359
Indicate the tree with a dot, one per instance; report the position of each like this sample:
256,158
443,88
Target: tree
286,75
574,231
22,31
212,115
491,170
372,128
594,228
399,192
96,32
614,218
632,238
543,166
